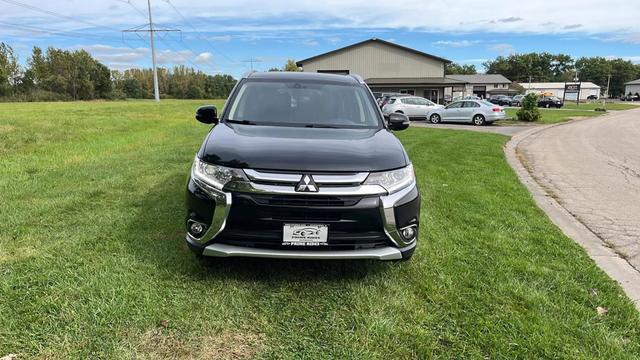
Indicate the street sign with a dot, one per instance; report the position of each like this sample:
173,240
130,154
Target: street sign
572,92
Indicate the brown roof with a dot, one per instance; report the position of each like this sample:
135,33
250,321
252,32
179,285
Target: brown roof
300,63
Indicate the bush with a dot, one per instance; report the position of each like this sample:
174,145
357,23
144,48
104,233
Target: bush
529,111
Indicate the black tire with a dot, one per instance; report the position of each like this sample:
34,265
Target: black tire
478,120
435,119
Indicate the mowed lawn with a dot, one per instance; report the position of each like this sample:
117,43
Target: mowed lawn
93,262
568,112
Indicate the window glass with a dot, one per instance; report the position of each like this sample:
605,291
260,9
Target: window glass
470,104
455,105
304,103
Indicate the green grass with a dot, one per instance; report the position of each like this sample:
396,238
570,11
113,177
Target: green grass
549,116
593,105
93,262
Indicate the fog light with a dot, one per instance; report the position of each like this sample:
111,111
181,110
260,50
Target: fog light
409,233
196,228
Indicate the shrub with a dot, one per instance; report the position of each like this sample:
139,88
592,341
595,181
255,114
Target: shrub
529,111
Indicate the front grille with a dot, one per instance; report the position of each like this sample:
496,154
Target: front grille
257,221
305,200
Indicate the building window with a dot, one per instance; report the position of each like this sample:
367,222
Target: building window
407,91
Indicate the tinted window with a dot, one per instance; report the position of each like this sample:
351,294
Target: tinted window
304,103
470,104
455,105
407,101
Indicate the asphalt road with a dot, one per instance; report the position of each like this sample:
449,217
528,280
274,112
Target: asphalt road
592,168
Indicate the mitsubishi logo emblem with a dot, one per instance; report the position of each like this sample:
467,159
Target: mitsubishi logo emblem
307,184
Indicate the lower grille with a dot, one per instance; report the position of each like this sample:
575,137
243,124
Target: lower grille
255,221
305,200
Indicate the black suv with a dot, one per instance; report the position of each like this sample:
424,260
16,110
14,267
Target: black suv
302,165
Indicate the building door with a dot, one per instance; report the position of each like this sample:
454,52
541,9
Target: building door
480,91
433,95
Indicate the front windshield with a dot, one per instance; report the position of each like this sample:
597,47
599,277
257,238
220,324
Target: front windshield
304,104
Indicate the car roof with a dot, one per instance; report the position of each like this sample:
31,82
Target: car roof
292,75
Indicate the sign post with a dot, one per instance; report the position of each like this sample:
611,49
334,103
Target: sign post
572,92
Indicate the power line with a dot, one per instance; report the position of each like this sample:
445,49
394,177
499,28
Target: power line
134,7
199,33
35,8
30,28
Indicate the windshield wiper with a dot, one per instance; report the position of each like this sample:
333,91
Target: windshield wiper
243,122
320,126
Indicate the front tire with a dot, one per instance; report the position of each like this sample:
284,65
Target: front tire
435,119
478,120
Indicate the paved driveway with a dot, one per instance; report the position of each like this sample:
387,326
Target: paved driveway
592,167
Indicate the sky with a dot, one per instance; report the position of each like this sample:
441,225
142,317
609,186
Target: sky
225,36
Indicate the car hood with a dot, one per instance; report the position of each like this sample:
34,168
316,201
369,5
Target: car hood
303,149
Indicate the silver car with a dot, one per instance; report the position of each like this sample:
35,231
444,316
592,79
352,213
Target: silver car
477,112
412,106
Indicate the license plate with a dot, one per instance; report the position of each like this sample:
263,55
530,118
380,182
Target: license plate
305,234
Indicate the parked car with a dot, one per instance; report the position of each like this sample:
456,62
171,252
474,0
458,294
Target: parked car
592,97
467,97
550,101
477,112
304,166
385,99
630,97
517,100
416,108
502,100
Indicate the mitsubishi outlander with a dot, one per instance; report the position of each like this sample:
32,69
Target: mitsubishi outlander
302,166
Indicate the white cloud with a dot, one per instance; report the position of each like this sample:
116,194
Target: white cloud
456,43
204,58
503,49
634,59
310,42
615,16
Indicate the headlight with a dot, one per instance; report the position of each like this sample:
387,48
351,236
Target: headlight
215,175
393,180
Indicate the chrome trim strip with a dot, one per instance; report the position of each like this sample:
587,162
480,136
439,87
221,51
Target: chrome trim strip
272,177
224,250
294,178
220,213
250,187
387,204
356,178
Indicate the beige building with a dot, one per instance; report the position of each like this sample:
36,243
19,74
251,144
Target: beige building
632,87
387,67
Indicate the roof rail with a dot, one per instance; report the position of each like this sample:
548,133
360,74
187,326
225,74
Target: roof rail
357,77
249,73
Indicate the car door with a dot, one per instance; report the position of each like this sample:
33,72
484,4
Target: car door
450,113
421,107
466,111
407,106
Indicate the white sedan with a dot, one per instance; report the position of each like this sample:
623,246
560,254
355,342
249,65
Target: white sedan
477,112
416,108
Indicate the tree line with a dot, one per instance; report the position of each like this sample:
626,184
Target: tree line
546,67
56,75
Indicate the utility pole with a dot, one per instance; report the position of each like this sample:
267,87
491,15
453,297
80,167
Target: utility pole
606,95
156,90
252,60
529,82
151,31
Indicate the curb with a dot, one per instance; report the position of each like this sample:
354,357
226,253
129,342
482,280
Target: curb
606,258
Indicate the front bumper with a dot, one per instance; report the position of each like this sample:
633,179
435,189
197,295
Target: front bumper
367,223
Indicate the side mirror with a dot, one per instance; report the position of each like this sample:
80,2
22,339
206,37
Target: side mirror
207,114
398,121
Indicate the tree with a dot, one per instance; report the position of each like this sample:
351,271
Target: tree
457,69
598,69
529,111
9,70
291,66
541,67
